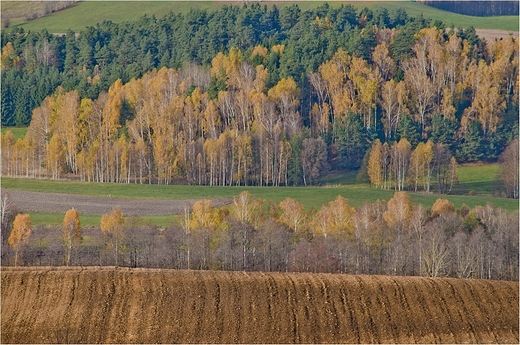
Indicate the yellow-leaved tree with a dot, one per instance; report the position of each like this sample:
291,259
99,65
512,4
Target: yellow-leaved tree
112,227
293,213
70,233
20,233
441,206
399,211
335,219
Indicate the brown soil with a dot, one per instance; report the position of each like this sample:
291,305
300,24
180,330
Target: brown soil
491,35
109,305
60,203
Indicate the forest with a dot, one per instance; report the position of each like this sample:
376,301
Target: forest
389,238
250,95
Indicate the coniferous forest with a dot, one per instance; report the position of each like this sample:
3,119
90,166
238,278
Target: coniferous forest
253,95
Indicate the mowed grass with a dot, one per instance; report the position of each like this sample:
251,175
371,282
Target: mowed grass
310,197
477,179
89,13
18,132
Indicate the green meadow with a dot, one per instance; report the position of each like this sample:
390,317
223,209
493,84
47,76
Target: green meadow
310,197
89,13
18,132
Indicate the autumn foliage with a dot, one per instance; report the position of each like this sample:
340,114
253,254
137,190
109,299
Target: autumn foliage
239,122
20,233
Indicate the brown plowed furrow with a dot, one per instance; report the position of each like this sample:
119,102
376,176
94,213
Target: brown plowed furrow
109,305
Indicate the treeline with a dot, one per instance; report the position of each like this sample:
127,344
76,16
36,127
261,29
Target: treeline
391,238
225,125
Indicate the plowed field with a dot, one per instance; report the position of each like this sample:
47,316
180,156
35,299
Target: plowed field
108,305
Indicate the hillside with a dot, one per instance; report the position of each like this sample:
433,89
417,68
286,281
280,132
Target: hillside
93,305
89,13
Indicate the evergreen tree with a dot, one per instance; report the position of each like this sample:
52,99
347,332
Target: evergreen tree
351,141
406,128
470,144
443,131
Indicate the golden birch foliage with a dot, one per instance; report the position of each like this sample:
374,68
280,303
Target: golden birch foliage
85,134
260,78
441,206
341,214
334,72
245,208
420,168
243,156
293,213
203,216
278,49
111,111
71,233
285,90
66,106
400,160
7,55
112,224
7,152
124,148
20,233
389,106
260,51
55,156
399,210
112,227
375,164
335,219
385,64
488,103
447,108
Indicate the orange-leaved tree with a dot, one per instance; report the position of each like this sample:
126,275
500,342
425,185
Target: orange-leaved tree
70,233
20,233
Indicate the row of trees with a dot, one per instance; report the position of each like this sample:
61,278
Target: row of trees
224,125
394,238
398,167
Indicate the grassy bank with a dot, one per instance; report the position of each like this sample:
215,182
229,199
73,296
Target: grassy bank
311,197
89,13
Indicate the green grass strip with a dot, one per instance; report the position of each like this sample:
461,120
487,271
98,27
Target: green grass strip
311,197
89,13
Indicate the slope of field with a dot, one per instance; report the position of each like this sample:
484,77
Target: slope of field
89,13
108,305
358,194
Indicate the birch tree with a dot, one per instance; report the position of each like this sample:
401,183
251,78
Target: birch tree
71,233
19,234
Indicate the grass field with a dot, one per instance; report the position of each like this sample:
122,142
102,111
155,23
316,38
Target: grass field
89,13
311,197
18,132
477,179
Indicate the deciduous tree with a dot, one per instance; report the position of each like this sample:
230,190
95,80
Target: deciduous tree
293,213
509,173
112,227
71,233
19,234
